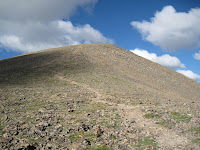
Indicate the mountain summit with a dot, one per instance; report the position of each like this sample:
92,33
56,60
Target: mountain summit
95,96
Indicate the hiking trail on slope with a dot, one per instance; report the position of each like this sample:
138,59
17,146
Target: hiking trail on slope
166,138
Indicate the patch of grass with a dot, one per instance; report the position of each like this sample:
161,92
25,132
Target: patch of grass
165,124
195,130
197,140
100,147
151,116
179,117
93,122
89,135
107,124
1,130
75,136
61,118
93,108
32,140
29,119
107,116
147,143
36,105
2,126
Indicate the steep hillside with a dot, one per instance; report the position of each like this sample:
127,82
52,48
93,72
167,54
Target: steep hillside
94,96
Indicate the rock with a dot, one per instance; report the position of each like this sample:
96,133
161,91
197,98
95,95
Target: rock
132,136
59,128
71,110
112,137
99,131
24,126
71,130
86,142
30,147
5,135
125,141
42,126
132,121
61,139
40,111
85,127
43,134
122,146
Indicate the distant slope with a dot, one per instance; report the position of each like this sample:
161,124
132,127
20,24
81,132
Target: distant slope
108,68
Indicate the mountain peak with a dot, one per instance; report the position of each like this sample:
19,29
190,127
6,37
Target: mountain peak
84,96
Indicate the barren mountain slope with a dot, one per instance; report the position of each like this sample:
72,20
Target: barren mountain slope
95,96
106,67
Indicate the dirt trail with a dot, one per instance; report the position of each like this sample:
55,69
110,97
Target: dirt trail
166,139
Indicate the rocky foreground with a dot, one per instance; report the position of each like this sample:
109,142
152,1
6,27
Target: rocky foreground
73,115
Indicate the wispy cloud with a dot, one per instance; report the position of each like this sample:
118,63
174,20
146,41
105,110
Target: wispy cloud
172,30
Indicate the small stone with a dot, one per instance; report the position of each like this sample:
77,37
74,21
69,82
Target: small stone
5,135
132,136
132,121
24,126
71,110
85,127
43,134
99,131
49,146
123,146
40,111
31,147
59,128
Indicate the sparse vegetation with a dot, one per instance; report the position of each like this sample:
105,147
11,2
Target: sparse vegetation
147,143
30,119
100,147
165,124
80,134
197,140
151,116
1,130
195,130
179,117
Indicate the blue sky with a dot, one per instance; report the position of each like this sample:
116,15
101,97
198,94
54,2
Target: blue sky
164,31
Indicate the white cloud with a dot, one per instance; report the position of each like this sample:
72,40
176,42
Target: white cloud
189,74
30,26
165,60
172,30
197,56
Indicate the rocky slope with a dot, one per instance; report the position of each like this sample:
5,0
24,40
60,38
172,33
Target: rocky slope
95,96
